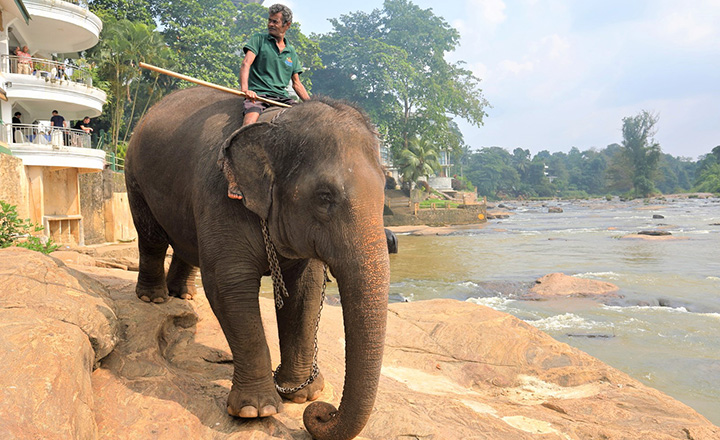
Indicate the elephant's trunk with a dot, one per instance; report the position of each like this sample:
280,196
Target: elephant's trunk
364,283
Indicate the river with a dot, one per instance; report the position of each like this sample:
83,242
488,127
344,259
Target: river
664,332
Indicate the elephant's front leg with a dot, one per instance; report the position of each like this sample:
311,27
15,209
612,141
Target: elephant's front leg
234,300
297,329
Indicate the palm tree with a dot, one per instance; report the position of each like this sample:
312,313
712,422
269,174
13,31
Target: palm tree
123,44
418,159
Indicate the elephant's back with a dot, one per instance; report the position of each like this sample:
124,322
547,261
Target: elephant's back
182,131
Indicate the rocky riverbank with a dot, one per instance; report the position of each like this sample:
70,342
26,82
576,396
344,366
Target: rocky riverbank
83,358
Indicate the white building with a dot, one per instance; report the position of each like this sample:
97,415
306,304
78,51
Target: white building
54,31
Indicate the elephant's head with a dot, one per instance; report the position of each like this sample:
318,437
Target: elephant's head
314,175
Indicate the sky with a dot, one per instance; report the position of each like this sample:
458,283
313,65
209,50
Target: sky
564,73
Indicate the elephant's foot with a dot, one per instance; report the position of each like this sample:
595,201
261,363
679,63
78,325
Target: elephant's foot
184,291
156,295
252,404
310,392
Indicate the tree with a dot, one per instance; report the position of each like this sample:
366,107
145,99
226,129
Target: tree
491,170
418,160
199,33
392,63
641,151
123,44
708,179
132,10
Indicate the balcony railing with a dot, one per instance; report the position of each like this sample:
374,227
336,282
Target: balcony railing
82,3
44,135
48,69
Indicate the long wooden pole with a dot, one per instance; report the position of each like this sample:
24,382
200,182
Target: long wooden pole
208,84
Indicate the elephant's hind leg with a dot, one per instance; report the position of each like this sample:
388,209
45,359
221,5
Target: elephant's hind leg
152,246
181,279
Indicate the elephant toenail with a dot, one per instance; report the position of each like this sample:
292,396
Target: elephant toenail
145,298
268,411
299,399
248,412
158,300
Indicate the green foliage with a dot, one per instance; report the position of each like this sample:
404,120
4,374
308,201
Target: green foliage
200,35
123,44
391,61
708,176
419,159
439,204
641,151
492,171
15,231
133,10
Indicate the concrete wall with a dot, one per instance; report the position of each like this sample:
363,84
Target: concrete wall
13,184
106,213
469,215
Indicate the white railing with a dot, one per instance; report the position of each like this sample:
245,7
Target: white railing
44,135
81,3
48,69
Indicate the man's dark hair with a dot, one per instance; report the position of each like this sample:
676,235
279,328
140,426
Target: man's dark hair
17,114
286,12
54,111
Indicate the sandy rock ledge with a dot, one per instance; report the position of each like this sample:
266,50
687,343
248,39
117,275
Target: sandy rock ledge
82,358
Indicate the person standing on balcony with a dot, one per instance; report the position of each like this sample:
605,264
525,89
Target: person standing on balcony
16,121
84,125
24,61
57,122
270,64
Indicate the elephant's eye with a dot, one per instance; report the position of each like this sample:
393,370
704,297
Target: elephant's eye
326,201
325,196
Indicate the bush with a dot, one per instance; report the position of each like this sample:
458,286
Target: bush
15,231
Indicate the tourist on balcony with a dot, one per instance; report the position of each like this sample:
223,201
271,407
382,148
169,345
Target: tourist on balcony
84,125
17,134
57,122
24,61
270,64
14,62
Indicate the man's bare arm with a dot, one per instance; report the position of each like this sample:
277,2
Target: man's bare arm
299,88
245,74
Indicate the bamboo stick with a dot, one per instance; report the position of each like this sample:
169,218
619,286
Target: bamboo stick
208,84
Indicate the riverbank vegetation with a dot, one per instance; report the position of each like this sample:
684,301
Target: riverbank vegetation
392,63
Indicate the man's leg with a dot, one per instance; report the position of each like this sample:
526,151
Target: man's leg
251,118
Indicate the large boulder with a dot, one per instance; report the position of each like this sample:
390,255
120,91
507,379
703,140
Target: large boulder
451,370
561,285
55,324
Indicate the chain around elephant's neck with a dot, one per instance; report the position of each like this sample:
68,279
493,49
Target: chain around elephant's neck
278,284
280,290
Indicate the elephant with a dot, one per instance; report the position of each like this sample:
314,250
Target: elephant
392,241
200,182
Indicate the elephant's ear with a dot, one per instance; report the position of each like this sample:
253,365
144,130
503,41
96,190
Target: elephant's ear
248,169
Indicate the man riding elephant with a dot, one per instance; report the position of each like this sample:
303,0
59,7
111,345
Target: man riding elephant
270,64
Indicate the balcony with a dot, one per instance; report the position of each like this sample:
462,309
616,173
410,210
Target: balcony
60,26
41,145
44,85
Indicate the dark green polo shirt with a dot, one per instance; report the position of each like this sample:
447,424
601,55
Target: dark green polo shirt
271,71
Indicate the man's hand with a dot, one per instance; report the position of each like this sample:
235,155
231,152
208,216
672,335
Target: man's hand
249,94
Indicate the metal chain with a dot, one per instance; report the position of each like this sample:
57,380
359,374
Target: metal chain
315,369
280,290
278,284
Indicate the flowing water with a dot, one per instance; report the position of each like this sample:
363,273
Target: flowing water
664,332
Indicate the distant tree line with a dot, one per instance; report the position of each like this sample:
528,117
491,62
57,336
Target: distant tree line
635,168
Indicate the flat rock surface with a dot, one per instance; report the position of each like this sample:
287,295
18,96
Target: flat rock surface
452,370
